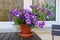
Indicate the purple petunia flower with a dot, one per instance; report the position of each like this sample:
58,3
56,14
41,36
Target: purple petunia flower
28,21
36,14
35,21
22,17
16,13
27,16
38,7
49,13
27,11
43,10
33,24
34,17
31,6
41,24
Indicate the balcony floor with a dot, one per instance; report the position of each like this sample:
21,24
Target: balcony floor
15,36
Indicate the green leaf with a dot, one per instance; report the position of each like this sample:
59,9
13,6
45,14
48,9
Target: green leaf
29,25
18,21
42,6
41,15
47,5
50,7
33,10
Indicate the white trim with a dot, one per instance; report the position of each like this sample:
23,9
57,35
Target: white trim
59,11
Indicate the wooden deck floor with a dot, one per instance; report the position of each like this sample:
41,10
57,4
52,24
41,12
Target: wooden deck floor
15,36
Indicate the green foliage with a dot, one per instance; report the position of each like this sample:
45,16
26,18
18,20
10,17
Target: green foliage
52,9
18,21
42,6
41,15
46,5
29,25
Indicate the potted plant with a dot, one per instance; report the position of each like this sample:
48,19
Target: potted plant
28,19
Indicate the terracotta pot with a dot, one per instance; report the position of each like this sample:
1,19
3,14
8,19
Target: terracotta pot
25,29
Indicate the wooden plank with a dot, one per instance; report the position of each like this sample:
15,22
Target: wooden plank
12,36
2,35
6,37
55,26
17,37
36,37
30,38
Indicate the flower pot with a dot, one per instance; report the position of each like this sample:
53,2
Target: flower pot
25,29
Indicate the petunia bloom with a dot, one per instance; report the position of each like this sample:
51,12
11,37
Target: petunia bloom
43,10
34,17
49,13
41,24
36,14
16,13
31,6
33,24
35,21
27,15
28,21
22,16
38,7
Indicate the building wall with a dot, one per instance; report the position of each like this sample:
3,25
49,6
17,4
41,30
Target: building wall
7,5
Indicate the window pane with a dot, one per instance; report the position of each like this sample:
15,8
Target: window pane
48,4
